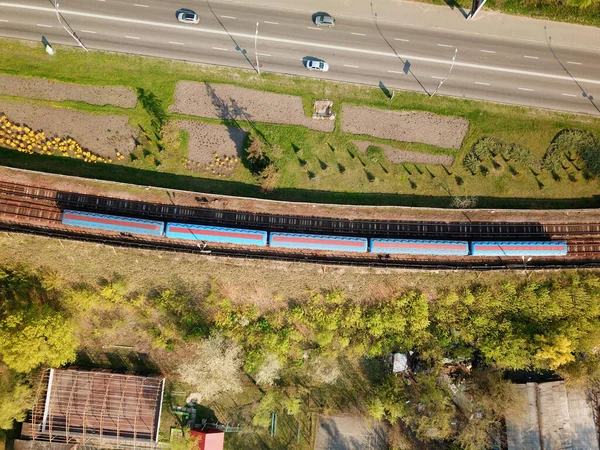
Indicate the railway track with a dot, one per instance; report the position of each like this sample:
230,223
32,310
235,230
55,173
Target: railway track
37,210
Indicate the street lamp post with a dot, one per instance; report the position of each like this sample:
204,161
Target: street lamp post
73,35
449,72
256,48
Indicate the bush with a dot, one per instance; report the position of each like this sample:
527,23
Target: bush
269,178
256,157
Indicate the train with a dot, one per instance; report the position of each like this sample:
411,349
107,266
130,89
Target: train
299,241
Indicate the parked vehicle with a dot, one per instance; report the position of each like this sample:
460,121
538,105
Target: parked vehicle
324,20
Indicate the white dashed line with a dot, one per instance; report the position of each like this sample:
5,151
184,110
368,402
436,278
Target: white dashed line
482,84
87,31
487,51
141,6
437,78
573,62
569,95
444,45
358,34
101,0
531,57
132,37
526,89
394,71
3,20
176,43
263,54
314,28
228,17
43,26
354,67
272,23
219,48
402,40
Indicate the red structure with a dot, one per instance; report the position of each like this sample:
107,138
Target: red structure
209,438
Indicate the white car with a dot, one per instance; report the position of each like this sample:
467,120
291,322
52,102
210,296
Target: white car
188,17
315,64
324,20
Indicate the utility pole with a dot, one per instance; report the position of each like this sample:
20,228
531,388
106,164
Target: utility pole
256,48
72,34
449,72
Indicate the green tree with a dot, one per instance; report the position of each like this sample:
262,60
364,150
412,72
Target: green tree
15,398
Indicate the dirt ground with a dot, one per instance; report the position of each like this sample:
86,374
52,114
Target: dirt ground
397,156
206,139
223,101
100,133
427,128
56,91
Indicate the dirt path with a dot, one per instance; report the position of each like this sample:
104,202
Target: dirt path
100,133
398,156
427,128
42,89
223,101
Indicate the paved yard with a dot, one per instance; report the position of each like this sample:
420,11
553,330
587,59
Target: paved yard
349,433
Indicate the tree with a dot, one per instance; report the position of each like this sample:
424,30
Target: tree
15,398
269,370
213,368
35,336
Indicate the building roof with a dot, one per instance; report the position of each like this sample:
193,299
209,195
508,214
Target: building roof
76,406
556,417
209,439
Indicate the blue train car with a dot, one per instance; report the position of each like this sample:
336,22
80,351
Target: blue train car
216,234
112,223
547,248
420,247
319,242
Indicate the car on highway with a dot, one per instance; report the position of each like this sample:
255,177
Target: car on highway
324,20
317,64
187,16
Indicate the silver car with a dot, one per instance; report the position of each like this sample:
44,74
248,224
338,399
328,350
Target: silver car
315,64
188,17
324,20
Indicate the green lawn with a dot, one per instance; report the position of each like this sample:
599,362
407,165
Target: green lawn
313,166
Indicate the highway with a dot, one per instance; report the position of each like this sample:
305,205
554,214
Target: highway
368,51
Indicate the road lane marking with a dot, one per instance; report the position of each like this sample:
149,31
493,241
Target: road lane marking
358,34
314,28
402,40
132,37
176,43
569,95
445,45
87,31
531,57
3,20
482,84
315,45
141,6
220,48
228,17
437,78
43,26
526,89
354,67
487,51
394,71
272,23
263,54
573,62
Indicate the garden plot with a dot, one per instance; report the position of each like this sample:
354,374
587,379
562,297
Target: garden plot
101,134
397,156
226,102
427,128
213,147
56,91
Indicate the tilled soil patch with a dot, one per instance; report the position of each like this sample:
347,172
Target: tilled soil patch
218,146
57,91
397,156
100,133
226,102
427,128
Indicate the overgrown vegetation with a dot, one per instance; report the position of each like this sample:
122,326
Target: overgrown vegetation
320,348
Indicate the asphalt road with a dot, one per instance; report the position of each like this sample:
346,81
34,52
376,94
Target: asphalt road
375,52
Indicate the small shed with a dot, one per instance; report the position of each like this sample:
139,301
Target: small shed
209,438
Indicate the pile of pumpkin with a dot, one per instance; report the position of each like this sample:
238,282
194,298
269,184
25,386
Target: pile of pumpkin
26,140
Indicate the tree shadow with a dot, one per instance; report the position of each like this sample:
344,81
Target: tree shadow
154,107
117,359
